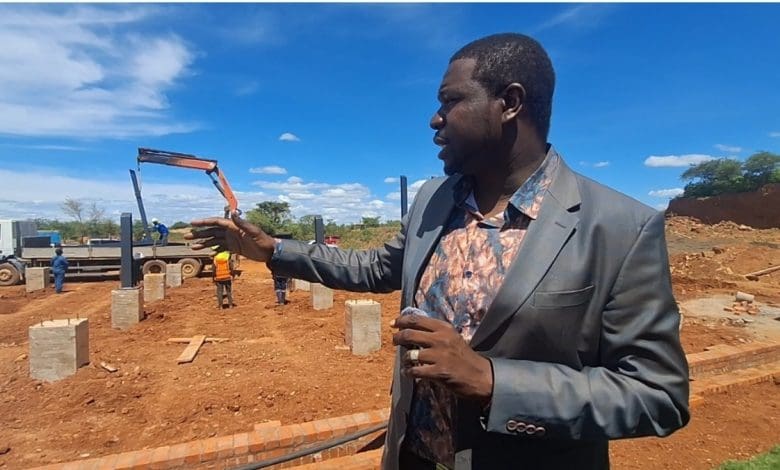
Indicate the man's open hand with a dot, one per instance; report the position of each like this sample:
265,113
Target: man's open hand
444,357
235,235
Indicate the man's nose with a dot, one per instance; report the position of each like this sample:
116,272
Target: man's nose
437,121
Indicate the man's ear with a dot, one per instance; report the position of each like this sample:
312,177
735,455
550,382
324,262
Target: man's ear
513,98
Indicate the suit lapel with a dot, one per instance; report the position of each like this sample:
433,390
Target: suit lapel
544,239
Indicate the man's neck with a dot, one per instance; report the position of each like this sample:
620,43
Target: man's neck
494,187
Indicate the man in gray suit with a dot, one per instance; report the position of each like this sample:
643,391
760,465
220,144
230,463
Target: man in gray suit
551,323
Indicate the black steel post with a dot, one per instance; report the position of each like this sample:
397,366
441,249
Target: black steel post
126,271
141,210
404,203
319,229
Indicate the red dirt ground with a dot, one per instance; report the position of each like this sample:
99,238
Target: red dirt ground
288,364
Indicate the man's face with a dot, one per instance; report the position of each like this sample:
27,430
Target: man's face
468,122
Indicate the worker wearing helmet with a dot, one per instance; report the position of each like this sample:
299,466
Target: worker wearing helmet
222,274
162,230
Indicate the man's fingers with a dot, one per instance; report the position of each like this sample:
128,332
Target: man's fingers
209,242
419,322
205,233
212,221
414,357
243,224
421,371
412,338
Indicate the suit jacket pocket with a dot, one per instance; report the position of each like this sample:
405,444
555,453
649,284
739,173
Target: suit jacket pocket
560,299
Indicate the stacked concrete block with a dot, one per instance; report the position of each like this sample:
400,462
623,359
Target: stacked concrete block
299,284
173,277
127,307
58,348
362,326
321,297
154,287
36,278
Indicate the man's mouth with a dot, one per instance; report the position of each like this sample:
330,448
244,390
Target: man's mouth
439,141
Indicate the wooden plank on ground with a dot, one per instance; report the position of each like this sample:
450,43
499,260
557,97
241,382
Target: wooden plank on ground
187,340
192,349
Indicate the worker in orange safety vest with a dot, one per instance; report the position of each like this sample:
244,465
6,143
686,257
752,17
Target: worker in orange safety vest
223,274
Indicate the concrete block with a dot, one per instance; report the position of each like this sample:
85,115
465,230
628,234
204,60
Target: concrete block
362,326
299,284
173,277
127,307
154,287
37,278
321,297
58,348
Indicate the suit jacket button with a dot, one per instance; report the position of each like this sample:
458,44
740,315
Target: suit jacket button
511,425
540,431
520,427
530,429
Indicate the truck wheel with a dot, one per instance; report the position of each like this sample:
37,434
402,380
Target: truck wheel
154,266
9,276
190,267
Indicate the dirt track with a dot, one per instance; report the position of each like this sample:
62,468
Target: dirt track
286,363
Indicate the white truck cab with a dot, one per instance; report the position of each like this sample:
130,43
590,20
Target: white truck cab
11,234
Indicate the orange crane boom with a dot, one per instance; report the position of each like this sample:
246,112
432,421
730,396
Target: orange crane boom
183,160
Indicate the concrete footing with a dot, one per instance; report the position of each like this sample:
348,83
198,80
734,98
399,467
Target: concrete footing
36,278
321,297
173,277
298,284
127,307
154,287
362,326
58,348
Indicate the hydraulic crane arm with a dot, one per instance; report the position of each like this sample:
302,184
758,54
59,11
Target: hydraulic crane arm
183,160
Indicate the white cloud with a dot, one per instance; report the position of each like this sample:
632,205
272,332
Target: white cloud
391,179
578,16
774,134
677,160
600,164
666,193
343,202
269,170
246,89
728,148
87,71
40,194
289,137
62,148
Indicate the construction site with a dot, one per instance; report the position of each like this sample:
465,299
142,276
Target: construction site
186,384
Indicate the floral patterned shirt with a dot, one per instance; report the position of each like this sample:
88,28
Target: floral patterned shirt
459,284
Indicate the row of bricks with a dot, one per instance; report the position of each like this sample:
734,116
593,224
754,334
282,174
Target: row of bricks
362,461
726,350
343,450
264,443
711,362
722,383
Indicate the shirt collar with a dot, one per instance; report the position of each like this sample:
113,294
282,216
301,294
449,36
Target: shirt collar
526,199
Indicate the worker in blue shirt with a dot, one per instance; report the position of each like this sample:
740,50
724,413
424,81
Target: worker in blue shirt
162,230
59,266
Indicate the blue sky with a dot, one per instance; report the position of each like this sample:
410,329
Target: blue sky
324,105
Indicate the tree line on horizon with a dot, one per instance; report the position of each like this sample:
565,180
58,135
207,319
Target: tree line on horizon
710,178
728,175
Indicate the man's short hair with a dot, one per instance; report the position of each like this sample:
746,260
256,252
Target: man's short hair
58,251
515,58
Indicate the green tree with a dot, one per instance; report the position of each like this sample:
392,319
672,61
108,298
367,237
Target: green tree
727,175
370,221
271,216
180,224
762,168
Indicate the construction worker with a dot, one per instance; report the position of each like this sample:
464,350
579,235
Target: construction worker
223,277
280,287
162,230
59,266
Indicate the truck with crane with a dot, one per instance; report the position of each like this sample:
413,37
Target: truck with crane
17,252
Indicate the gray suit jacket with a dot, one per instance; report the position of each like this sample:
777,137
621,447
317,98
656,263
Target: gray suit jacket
582,335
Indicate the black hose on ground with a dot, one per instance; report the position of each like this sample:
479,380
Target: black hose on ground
313,449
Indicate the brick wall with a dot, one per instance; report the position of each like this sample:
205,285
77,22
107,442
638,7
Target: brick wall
225,452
